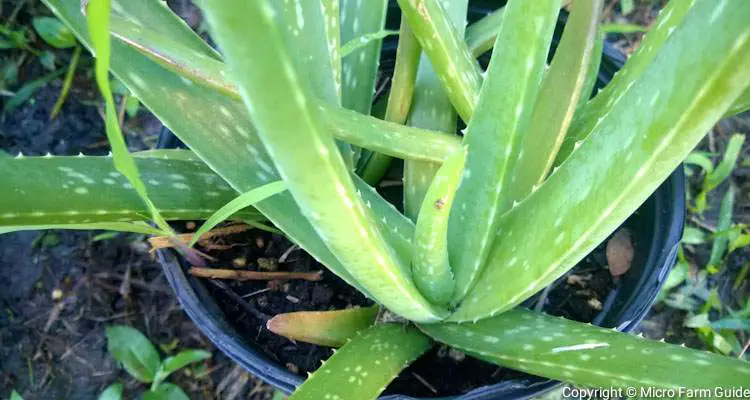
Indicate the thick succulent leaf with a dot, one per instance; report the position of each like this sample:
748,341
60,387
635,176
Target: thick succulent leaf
349,126
660,118
332,19
365,365
84,190
443,43
324,328
557,100
360,67
587,118
430,268
197,116
365,40
241,202
495,136
431,109
288,123
587,355
480,36
592,74
399,98
98,24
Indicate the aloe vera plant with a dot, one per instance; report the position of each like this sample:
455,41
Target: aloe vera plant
541,176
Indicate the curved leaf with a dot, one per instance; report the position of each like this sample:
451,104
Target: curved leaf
177,362
134,351
325,328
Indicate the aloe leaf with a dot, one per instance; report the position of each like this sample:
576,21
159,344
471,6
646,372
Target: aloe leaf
196,115
98,24
332,21
740,105
495,136
432,109
243,201
592,75
365,40
441,41
639,141
325,328
587,118
480,36
587,355
557,100
41,191
363,367
399,98
352,127
430,268
289,125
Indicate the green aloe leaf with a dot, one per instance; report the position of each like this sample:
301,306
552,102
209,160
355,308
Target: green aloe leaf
177,362
661,116
559,95
363,367
480,36
740,105
332,19
242,201
325,328
197,115
98,25
365,40
592,74
432,109
85,190
289,125
495,136
134,351
587,355
588,117
349,126
399,98
430,268
450,57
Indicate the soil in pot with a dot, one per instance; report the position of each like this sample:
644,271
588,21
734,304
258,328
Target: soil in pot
249,305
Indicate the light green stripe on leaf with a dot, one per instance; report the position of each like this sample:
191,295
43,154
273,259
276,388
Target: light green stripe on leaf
289,125
98,24
332,20
557,100
242,201
325,328
443,43
663,114
587,118
365,365
430,268
495,136
587,355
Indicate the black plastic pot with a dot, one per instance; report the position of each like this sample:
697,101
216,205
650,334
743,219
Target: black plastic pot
656,227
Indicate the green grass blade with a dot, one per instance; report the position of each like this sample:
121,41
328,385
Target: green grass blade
365,365
289,125
721,242
444,45
98,24
431,109
133,227
635,147
242,201
587,355
495,136
324,328
587,119
399,98
715,176
558,98
84,190
430,268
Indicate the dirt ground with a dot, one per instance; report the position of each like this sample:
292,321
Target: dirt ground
54,346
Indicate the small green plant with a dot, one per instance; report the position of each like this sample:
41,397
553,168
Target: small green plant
141,360
540,176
